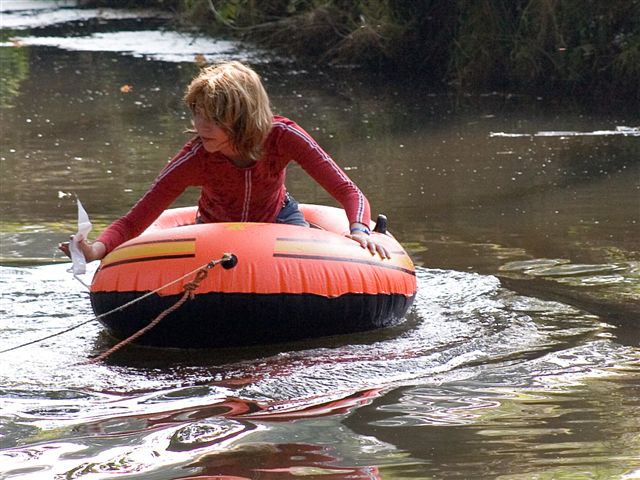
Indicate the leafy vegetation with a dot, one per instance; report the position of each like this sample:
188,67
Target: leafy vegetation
14,69
571,46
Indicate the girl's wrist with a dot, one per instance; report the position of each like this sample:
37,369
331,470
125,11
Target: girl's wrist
361,229
97,251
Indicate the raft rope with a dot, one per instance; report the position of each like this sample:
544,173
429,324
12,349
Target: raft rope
189,292
228,260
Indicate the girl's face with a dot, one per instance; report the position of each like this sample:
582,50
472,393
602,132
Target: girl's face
214,138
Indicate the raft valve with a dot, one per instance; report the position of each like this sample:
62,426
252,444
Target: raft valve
230,261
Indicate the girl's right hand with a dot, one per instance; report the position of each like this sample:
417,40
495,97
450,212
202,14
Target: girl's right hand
92,251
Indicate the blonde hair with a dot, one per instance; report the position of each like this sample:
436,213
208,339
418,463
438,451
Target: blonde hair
231,95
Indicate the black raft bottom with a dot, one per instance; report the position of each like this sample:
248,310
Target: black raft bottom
224,319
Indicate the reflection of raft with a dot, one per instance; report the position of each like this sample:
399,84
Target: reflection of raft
290,282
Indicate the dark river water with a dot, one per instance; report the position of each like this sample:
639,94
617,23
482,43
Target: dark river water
518,360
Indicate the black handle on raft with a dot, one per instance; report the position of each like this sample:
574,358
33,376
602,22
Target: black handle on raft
381,224
229,262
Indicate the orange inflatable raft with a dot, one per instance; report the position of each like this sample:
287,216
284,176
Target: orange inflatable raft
289,282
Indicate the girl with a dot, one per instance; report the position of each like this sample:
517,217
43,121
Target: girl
239,158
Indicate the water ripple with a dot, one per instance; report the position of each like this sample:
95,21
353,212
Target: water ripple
464,330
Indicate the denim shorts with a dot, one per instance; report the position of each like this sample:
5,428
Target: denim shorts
290,213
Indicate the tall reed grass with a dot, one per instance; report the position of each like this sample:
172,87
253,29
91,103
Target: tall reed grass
576,47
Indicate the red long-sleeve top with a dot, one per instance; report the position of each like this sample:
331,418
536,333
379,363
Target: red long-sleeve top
234,194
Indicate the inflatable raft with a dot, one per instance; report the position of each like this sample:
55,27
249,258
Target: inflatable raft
289,283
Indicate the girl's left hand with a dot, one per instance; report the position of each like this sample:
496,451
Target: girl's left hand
369,242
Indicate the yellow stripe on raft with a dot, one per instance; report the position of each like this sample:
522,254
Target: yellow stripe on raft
308,247
168,248
334,250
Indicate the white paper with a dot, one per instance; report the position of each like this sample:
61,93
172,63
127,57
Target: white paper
77,256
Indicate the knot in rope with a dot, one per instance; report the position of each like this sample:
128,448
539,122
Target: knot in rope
189,293
190,287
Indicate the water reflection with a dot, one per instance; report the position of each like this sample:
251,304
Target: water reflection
621,130
150,44
284,460
554,432
479,381
32,14
152,411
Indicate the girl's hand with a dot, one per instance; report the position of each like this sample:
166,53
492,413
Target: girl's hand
367,242
92,251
